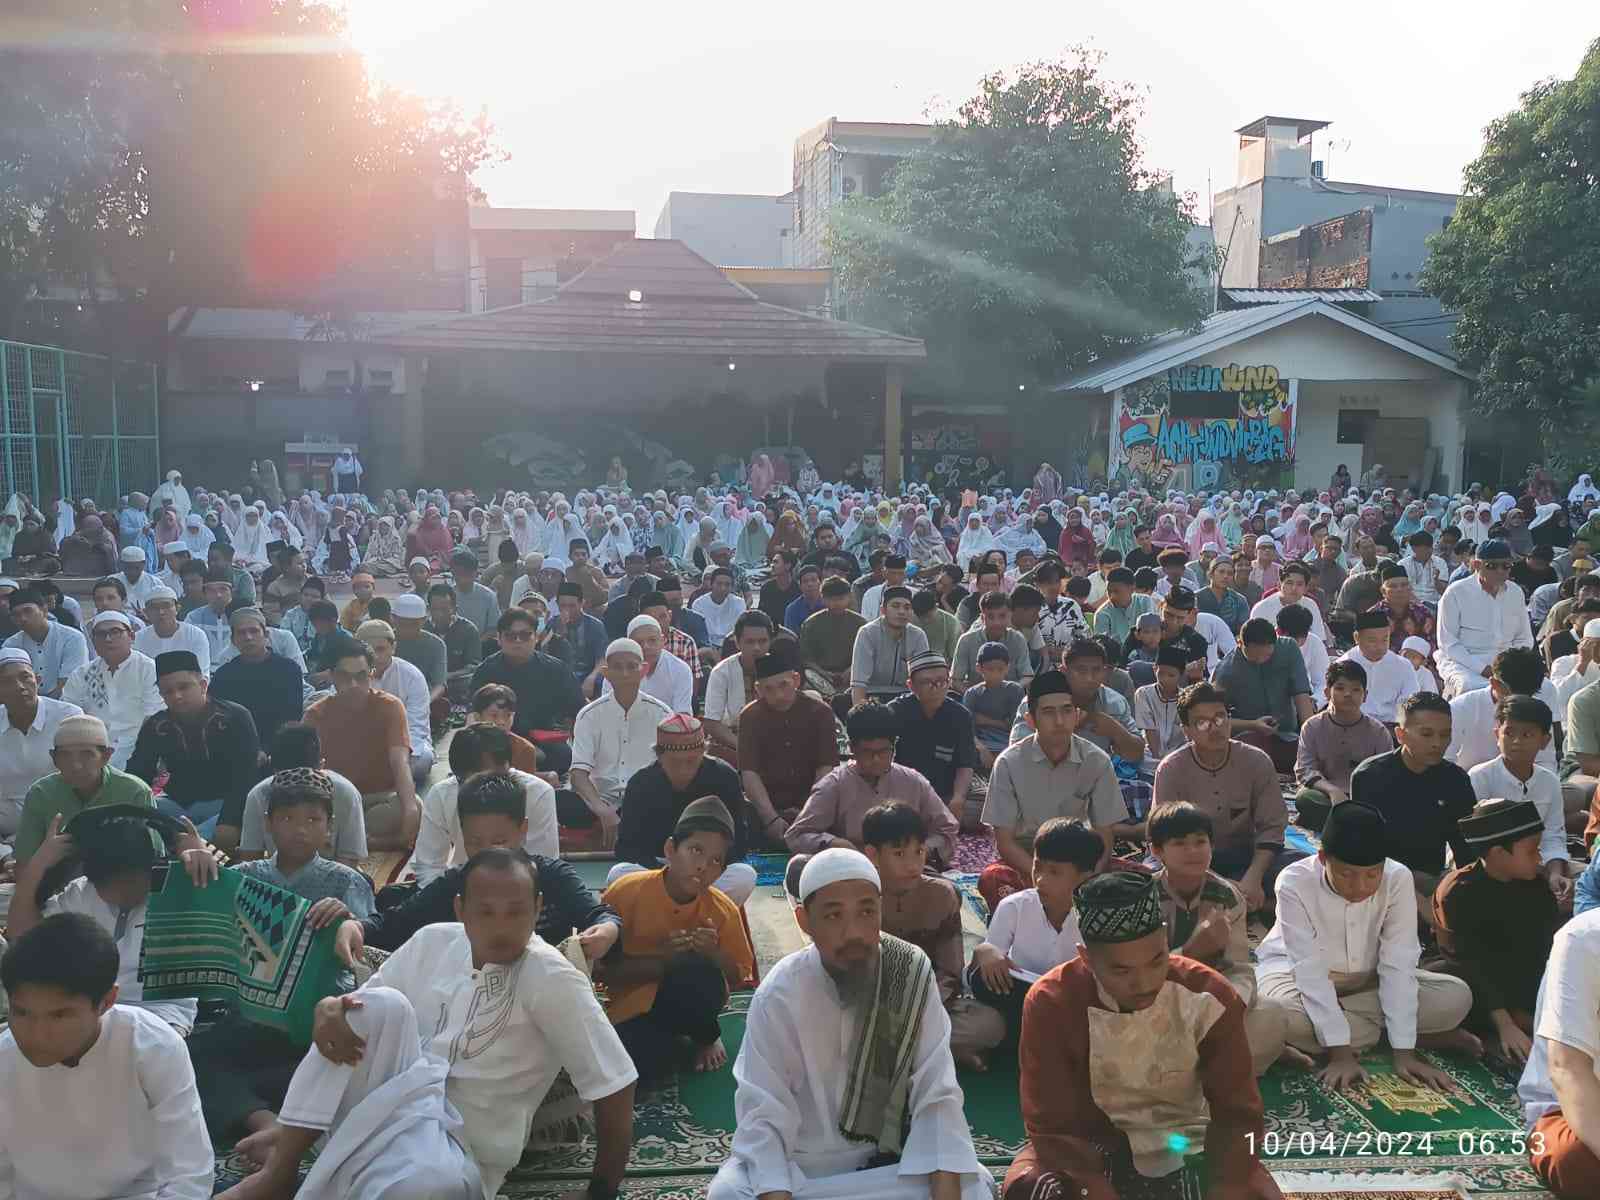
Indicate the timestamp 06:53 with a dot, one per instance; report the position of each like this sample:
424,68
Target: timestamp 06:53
1307,1143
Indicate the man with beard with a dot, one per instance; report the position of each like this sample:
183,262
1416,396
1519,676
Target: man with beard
846,1060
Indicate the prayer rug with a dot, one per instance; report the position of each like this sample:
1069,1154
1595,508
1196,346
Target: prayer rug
240,940
769,866
974,852
967,885
1302,840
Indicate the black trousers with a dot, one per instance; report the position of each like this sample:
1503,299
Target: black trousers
688,999
1008,1004
571,811
240,1068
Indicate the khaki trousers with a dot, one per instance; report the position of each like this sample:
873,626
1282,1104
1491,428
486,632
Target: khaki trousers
1443,1002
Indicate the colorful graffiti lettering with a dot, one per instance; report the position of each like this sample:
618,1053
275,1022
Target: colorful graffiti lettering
1150,445
1252,439
1232,378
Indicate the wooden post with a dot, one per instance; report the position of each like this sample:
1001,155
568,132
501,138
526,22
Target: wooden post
893,433
412,425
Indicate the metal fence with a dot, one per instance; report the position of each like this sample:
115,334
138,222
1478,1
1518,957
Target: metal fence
76,425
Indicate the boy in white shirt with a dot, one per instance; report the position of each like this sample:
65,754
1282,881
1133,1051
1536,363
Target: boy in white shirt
1155,707
479,749
1294,623
1035,929
99,1097
1390,678
1522,729
1342,958
1416,651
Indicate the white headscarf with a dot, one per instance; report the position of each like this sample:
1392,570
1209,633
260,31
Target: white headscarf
976,540
1582,490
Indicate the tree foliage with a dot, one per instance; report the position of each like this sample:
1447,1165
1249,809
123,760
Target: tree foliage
1028,239
1520,261
214,152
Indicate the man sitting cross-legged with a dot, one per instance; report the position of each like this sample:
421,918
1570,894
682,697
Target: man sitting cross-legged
100,1098
1342,958
683,948
1206,919
474,749
443,1113
1035,929
925,910
1132,1058
846,1060
1495,919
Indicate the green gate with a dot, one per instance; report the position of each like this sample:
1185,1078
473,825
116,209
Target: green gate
76,425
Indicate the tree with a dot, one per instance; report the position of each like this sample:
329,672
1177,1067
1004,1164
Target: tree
255,164
1028,238
1520,261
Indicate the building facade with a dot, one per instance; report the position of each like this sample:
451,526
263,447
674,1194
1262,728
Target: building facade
837,160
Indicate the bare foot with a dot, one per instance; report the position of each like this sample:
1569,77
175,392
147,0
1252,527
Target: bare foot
1296,1060
972,1061
1460,1040
264,1185
257,1146
711,1058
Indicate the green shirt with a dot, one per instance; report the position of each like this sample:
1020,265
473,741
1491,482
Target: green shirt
943,631
52,795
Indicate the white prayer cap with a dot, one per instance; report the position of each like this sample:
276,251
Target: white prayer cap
1591,629
82,729
1265,541
1212,547
624,645
175,548
1420,645
418,559
836,865
161,593
10,654
408,606
192,520
132,554
171,475
110,617
643,621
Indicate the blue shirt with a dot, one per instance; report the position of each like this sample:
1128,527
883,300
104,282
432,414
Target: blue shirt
61,653
588,641
799,609
1587,895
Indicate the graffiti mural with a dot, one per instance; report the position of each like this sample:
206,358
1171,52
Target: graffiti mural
1246,436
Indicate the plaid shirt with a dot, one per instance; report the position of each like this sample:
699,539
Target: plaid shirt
681,644
1416,621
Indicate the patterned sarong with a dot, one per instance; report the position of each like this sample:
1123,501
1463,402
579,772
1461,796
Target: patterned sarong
239,940
877,1093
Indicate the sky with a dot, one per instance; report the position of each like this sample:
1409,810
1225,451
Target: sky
614,106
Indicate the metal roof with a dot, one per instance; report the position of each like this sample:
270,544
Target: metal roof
1222,329
1283,295
284,325
1303,126
688,307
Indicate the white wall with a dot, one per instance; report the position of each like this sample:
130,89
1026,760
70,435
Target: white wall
1317,449
1315,347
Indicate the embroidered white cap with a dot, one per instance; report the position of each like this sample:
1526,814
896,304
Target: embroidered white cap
837,864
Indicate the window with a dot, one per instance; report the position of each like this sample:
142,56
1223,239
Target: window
380,380
1356,425
336,379
1204,406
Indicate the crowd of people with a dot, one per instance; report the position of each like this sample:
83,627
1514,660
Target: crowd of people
1364,720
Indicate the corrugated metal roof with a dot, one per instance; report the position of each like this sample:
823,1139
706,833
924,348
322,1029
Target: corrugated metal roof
689,307
1222,329
1283,295
283,325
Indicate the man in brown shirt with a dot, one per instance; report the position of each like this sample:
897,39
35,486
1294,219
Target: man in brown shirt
828,640
365,739
787,742
1236,786
583,572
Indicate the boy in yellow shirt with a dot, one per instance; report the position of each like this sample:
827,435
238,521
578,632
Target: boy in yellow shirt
683,947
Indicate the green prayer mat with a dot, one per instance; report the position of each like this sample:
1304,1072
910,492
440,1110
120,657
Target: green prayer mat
239,940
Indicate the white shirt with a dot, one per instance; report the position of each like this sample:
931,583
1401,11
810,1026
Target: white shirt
789,1086
349,820
1152,711
669,681
1428,579
25,754
719,618
725,698
439,841
506,1030
612,745
1472,739
1268,608
218,630
1318,932
406,684
126,927
61,653
1315,655
1220,641
1020,930
1494,781
1474,626
872,601
1568,682
186,637
138,592
122,698
522,587
124,1124
1389,681
1568,1011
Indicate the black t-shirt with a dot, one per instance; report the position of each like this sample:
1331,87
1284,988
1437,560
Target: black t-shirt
650,809
1528,577
1137,558
547,692
937,746
1420,811
1559,646
774,599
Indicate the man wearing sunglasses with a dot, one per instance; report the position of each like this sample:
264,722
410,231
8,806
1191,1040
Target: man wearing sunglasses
1479,616
547,691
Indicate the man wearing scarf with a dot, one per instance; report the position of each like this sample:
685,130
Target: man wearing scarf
846,1061
1132,1061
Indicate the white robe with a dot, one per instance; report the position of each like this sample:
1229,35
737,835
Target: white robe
250,544
124,1124
177,493
790,1077
1473,627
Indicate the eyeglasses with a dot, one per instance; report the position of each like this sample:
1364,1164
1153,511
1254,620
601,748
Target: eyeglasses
1207,724
518,635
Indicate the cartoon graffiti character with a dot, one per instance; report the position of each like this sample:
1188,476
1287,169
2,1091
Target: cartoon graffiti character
1139,456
